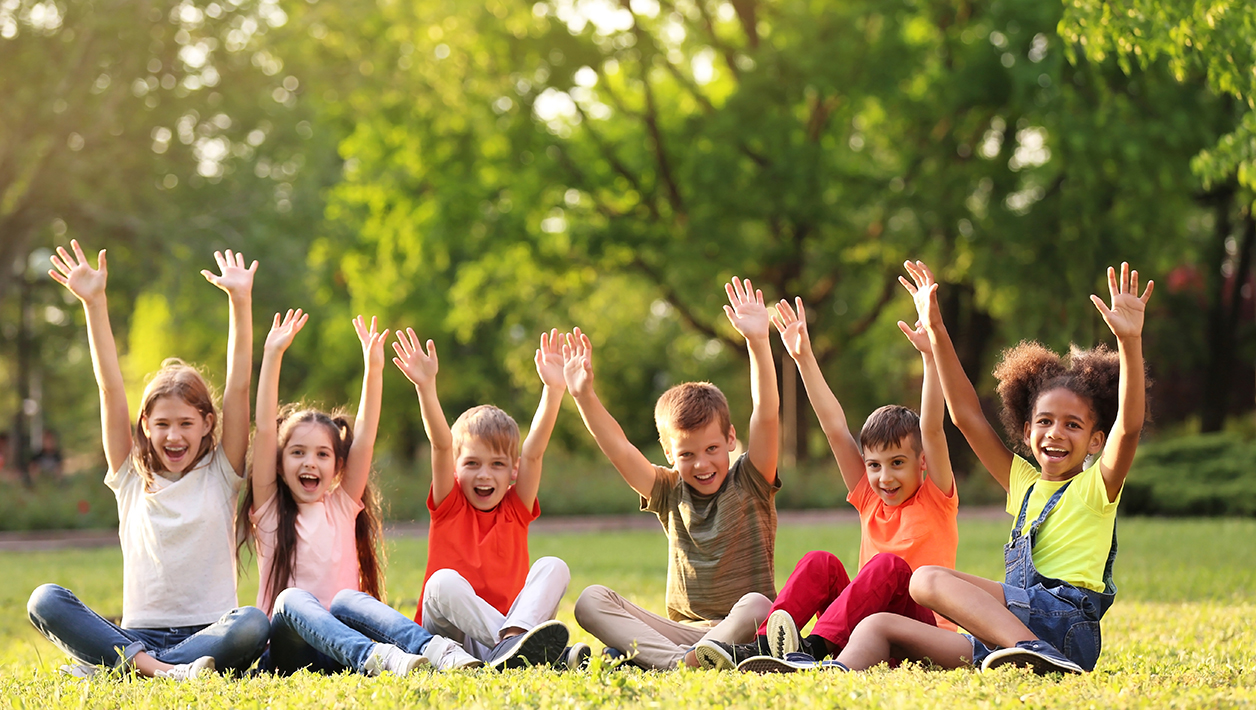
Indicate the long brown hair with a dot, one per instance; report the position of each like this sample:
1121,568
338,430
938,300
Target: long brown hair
368,530
176,379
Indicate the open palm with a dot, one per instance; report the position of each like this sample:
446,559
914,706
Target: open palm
1126,314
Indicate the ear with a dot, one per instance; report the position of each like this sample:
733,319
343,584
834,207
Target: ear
209,422
732,437
924,465
667,452
1025,438
514,473
1097,439
144,426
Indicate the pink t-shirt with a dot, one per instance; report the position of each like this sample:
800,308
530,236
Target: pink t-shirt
327,552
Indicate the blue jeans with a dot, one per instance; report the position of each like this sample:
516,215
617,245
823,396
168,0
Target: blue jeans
305,635
235,641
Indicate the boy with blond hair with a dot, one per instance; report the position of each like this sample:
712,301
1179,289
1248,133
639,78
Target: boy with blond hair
720,519
479,589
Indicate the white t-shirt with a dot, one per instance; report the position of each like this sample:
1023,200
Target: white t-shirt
178,544
327,548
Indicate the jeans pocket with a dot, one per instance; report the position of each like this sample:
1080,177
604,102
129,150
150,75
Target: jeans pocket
1082,644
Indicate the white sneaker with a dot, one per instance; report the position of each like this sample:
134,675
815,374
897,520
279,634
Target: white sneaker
783,636
387,657
201,667
447,655
80,670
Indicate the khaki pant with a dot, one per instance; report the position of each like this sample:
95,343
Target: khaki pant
658,642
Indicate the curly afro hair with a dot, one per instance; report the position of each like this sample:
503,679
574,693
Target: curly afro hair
1028,370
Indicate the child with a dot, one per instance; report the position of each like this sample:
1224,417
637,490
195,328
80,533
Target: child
176,492
1059,559
317,528
720,520
907,520
478,588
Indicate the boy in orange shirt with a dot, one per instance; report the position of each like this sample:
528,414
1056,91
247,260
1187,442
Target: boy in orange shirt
478,589
907,519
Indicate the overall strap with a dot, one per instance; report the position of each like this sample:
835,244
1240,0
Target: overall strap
1046,510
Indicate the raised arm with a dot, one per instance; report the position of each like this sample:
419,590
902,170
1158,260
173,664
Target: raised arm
750,317
237,281
1125,318
421,368
636,470
549,366
932,409
793,330
366,424
88,285
961,398
266,438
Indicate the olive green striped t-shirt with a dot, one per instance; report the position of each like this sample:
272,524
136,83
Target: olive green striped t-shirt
719,546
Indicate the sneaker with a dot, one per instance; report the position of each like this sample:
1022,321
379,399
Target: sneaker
199,668
1041,656
575,657
80,670
540,645
783,635
386,657
616,660
448,655
722,656
796,661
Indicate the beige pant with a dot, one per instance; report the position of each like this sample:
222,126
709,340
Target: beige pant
659,642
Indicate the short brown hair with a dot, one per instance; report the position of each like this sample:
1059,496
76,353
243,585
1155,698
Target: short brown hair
180,380
889,426
690,406
489,424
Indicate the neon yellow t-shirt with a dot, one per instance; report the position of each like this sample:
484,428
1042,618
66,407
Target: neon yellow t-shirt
1074,540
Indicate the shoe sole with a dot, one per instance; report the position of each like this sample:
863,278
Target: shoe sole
580,653
782,633
1039,663
541,645
713,658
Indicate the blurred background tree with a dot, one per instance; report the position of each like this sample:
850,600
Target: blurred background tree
482,172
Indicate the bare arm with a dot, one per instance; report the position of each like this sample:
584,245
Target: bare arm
421,369
1125,318
636,470
237,281
549,366
366,424
793,329
265,439
961,398
88,285
932,411
749,316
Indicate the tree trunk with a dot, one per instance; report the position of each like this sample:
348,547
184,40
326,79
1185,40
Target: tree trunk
1223,316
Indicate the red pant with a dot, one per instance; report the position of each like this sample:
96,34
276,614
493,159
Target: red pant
820,586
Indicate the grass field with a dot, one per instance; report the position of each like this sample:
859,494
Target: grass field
1182,634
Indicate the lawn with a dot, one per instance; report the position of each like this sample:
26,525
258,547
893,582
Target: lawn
1182,634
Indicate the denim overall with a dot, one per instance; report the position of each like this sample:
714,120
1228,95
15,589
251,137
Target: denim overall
1064,616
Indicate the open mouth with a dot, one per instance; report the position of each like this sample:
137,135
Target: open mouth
704,477
1052,453
175,453
484,491
308,481
890,492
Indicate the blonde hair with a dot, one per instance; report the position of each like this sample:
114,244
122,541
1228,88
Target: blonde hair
176,379
490,425
689,407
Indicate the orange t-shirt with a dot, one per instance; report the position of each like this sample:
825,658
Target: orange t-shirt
489,548
922,530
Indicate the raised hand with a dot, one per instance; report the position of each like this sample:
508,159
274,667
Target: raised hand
923,292
235,279
549,360
419,367
76,274
746,310
792,327
918,336
283,332
578,363
1125,317
372,341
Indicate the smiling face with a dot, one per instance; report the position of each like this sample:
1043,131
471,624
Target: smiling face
175,429
484,473
895,471
701,455
1062,433
308,461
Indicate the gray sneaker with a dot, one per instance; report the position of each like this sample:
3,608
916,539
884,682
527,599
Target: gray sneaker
783,635
199,668
386,657
1041,656
447,655
541,645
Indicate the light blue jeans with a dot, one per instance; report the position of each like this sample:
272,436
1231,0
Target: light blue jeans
305,635
235,640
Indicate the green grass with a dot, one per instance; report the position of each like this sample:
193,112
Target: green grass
1182,634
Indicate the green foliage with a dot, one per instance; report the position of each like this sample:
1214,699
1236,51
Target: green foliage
1207,474
1180,635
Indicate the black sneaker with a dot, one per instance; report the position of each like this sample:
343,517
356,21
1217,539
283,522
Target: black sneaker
540,645
791,663
574,658
1041,656
723,656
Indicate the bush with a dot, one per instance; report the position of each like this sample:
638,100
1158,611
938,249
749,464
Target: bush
1204,474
